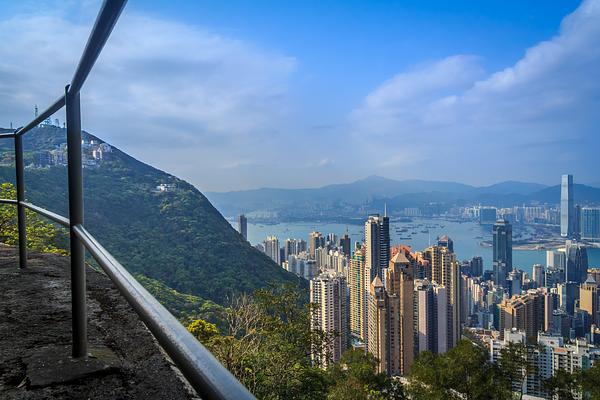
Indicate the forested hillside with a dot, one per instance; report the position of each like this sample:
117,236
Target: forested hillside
175,236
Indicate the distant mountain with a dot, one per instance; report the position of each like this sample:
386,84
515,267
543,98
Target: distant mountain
581,193
511,187
354,193
175,236
371,192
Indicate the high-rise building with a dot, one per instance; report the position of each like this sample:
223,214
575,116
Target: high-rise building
502,251
329,292
315,240
523,312
567,209
399,285
243,226
476,266
590,223
576,262
346,244
549,356
555,259
445,241
514,283
293,247
431,323
445,271
378,314
272,248
357,285
568,294
377,244
588,300
538,275
487,215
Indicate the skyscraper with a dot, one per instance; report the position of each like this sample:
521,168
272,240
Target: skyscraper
445,241
329,292
377,343
576,262
272,249
431,325
377,244
445,271
315,240
502,251
567,209
590,223
588,300
346,244
538,275
524,312
399,284
356,283
243,226
476,265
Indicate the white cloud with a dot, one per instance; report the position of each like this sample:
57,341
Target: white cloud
456,115
170,93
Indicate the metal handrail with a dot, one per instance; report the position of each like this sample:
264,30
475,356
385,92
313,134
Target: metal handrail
197,363
206,374
48,214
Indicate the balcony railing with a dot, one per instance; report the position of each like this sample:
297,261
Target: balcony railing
204,372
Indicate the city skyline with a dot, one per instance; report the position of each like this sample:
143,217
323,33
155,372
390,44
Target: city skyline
447,70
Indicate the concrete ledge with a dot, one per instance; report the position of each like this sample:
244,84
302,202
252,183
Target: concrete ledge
54,364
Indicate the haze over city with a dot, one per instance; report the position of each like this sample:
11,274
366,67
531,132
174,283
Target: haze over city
266,94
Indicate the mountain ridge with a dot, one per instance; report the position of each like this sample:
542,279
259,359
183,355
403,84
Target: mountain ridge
375,190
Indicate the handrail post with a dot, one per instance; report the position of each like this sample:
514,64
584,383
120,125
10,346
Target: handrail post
75,176
21,222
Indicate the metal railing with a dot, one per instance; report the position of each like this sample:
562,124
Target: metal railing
204,372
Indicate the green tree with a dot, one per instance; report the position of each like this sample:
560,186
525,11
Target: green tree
563,385
515,365
202,330
464,372
268,345
42,236
355,377
590,381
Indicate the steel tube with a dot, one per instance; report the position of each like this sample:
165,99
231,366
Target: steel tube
58,104
46,213
6,135
204,372
75,177
105,22
8,201
21,221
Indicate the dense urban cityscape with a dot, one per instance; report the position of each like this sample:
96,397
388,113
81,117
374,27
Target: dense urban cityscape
395,302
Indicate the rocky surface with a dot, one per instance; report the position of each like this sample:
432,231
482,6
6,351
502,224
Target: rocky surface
35,323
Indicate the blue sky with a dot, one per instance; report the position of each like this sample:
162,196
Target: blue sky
237,94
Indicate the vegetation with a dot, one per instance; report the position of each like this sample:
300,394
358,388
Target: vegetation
267,345
41,235
464,372
185,307
175,237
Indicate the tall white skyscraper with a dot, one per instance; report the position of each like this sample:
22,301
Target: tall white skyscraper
567,209
272,249
329,291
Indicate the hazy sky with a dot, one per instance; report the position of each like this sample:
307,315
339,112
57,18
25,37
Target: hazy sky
243,94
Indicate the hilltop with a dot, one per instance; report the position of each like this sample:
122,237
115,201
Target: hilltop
154,223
